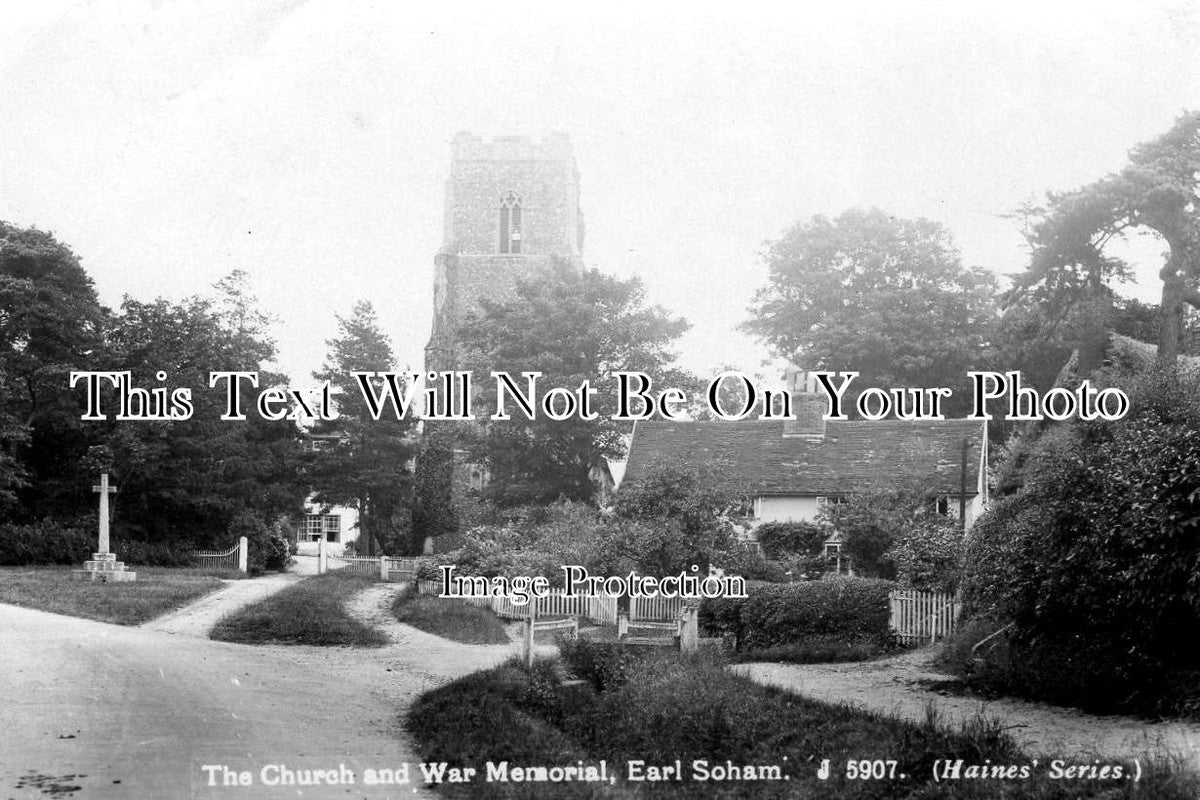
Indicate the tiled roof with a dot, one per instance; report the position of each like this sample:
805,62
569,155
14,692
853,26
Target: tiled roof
852,456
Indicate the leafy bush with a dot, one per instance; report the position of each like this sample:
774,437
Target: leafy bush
153,554
604,665
269,545
927,553
848,609
428,569
1094,560
694,495
44,542
782,539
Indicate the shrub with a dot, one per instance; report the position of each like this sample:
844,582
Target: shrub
782,539
927,553
44,542
269,545
847,609
604,665
745,560
154,554
1094,560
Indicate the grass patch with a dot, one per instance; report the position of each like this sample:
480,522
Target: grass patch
156,591
449,618
659,708
819,650
312,611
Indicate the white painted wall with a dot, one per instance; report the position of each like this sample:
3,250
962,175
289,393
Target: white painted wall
796,508
785,508
348,519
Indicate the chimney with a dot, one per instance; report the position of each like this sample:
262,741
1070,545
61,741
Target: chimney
808,406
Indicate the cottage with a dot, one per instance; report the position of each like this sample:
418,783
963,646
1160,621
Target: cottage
791,469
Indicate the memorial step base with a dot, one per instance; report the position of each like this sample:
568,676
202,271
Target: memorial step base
104,568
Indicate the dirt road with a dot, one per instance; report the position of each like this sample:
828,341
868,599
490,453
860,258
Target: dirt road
897,686
198,618
89,709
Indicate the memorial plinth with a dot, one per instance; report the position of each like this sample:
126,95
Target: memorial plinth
104,568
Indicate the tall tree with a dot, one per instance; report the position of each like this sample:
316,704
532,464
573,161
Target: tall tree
50,324
1156,190
886,297
190,479
367,465
571,326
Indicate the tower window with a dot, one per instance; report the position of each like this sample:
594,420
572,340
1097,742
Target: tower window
510,224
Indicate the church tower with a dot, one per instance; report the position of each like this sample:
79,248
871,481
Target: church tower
512,208
512,211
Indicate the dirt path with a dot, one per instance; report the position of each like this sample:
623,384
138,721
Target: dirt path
441,659
198,618
101,710
89,709
896,687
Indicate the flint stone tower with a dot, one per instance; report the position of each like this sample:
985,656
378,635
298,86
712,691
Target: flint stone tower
512,211
512,207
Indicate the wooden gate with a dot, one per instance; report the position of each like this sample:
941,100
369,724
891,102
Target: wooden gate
918,617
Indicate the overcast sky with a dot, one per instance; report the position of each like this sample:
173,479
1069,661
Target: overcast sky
169,143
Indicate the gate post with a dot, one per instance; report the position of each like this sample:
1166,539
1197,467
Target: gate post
383,568
527,639
689,630
322,557
243,555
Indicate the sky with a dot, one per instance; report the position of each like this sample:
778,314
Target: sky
169,143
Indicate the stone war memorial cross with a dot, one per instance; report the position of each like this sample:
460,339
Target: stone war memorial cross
104,567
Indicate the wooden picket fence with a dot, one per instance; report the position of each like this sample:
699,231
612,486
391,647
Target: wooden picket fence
601,610
918,617
654,608
398,569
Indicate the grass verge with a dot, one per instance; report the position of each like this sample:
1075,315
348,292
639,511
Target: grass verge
662,709
312,611
449,618
828,650
156,591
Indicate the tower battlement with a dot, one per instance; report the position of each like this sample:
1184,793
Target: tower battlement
466,146
512,211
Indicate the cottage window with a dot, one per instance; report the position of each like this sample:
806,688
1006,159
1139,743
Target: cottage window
510,224
318,526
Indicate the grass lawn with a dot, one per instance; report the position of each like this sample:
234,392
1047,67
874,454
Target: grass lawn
658,708
156,591
312,611
449,618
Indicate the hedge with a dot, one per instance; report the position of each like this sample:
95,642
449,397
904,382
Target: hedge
44,542
47,542
849,609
